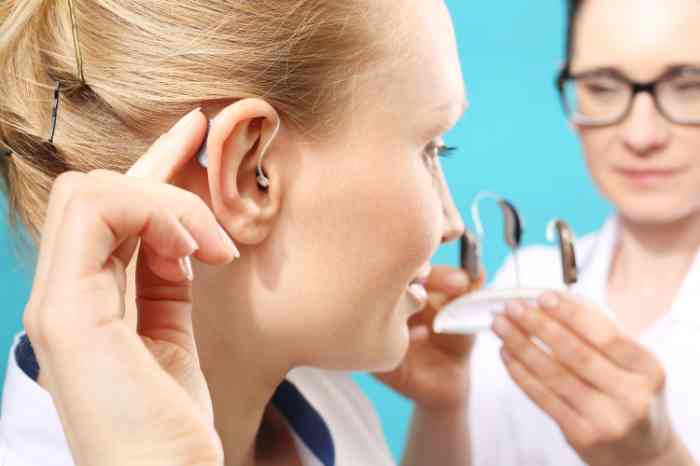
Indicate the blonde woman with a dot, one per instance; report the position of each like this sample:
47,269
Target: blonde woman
322,179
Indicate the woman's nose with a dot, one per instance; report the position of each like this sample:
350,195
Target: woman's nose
645,130
453,223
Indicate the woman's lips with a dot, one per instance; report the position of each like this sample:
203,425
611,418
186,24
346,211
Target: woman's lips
648,175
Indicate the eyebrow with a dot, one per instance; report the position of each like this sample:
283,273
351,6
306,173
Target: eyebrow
615,71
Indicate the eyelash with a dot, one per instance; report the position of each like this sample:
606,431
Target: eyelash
440,150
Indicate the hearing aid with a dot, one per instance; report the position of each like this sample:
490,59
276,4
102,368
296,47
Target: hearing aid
261,178
566,248
512,225
202,157
469,258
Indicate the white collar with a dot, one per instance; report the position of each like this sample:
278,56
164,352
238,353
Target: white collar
31,430
30,427
596,261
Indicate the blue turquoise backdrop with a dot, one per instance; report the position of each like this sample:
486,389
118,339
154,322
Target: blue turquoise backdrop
513,141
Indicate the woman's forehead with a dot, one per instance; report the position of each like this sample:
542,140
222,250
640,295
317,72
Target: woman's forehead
640,37
424,71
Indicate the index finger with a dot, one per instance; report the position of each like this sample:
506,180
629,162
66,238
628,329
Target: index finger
173,149
592,325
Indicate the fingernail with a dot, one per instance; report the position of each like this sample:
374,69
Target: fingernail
500,326
515,309
549,301
186,266
504,354
458,279
184,121
192,245
228,242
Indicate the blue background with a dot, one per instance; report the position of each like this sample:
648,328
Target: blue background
513,141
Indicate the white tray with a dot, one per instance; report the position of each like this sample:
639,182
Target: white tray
474,313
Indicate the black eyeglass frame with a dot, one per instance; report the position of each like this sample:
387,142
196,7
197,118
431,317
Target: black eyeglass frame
637,87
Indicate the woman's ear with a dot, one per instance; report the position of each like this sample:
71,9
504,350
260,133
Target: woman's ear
239,137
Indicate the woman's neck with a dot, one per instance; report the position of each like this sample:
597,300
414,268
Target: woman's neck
644,249
648,267
242,374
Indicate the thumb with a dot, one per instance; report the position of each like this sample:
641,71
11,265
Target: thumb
449,281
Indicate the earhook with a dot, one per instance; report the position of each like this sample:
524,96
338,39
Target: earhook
513,225
566,249
202,156
262,179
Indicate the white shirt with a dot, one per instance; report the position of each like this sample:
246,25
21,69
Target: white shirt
331,421
508,429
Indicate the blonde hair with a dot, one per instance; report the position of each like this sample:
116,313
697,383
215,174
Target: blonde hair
147,62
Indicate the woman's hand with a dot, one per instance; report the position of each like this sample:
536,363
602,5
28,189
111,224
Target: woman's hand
603,389
125,396
434,373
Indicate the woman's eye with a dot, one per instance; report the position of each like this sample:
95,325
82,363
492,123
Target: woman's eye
435,150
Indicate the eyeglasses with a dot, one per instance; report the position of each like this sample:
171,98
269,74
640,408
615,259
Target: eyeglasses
605,97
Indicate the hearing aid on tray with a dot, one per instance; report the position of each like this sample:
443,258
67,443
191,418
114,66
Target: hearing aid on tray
566,249
474,312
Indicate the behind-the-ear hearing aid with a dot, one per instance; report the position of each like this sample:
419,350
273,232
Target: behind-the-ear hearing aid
566,248
469,257
512,225
260,176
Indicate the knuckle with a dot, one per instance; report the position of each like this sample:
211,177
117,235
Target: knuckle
520,347
40,329
193,201
100,172
550,331
195,210
611,340
615,431
536,391
581,357
81,203
64,190
639,410
584,440
558,380
65,183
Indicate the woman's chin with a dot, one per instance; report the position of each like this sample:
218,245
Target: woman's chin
394,350
384,356
653,207
655,213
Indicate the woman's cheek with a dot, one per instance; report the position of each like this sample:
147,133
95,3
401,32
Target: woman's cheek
422,209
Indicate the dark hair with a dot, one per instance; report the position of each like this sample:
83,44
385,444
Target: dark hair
572,11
